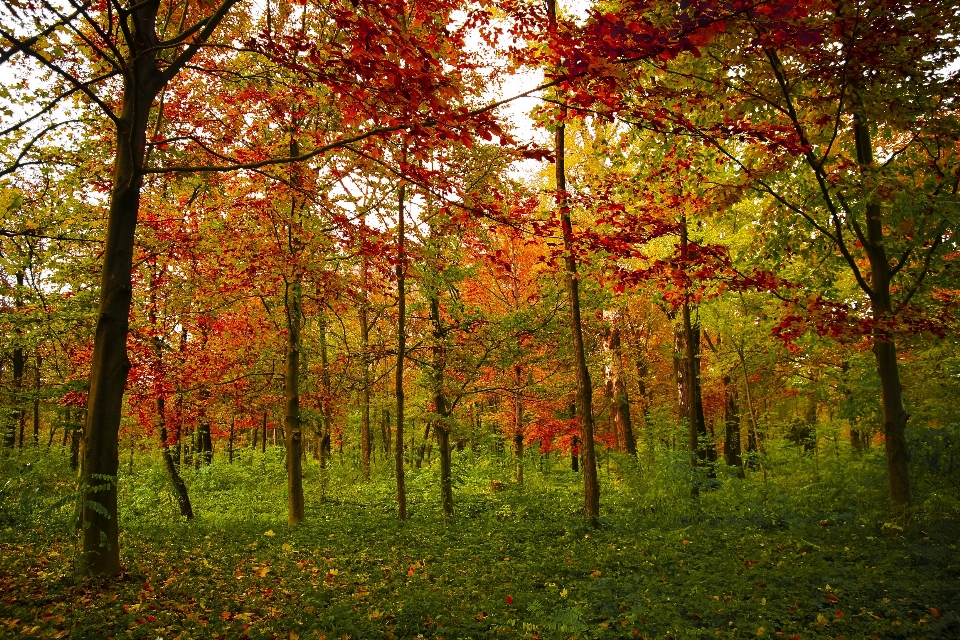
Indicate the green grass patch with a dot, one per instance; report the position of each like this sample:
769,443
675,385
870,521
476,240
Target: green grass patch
807,549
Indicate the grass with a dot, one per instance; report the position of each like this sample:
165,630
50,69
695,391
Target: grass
809,549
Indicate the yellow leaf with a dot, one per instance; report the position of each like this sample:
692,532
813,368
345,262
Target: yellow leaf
269,533
286,546
263,571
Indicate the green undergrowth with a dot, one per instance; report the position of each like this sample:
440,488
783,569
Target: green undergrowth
805,547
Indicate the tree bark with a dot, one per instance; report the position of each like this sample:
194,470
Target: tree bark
18,371
699,447
291,407
440,405
518,424
263,439
327,390
401,350
36,403
293,310
591,487
179,487
731,418
884,348
110,364
76,436
365,443
620,399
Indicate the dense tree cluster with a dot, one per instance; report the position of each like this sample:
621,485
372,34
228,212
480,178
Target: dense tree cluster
311,225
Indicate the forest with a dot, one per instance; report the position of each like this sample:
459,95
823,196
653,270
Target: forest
510,318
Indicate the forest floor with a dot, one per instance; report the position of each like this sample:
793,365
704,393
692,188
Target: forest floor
808,551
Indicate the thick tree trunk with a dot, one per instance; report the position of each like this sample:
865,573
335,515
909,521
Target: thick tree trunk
109,366
401,350
100,549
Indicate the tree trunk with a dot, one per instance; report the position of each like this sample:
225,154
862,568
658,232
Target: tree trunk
401,350
326,389
109,366
230,442
620,410
591,487
76,437
18,367
575,454
179,487
518,424
440,405
731,419
204,454
36,403
365,443
263,439
884,348
291,407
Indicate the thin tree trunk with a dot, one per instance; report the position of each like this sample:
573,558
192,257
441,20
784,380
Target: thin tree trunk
591,487
326,389
263,440
731,419
518,424
680,373
67,427
76,437
292,304
291,413
18,370
366,447
401,350
179,487
440,402
699,447
36,404
620,410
